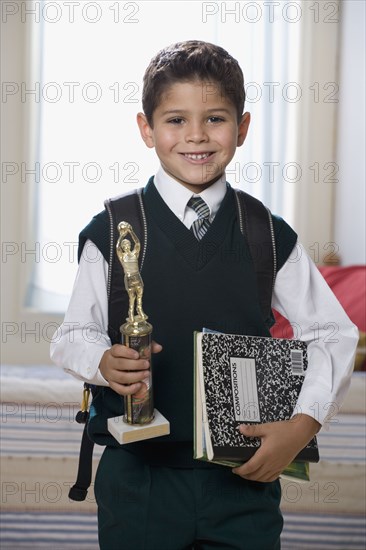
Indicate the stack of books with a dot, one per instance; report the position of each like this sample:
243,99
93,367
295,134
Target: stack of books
246,380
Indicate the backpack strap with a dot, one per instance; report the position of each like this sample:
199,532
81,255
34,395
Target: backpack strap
255,221
79,490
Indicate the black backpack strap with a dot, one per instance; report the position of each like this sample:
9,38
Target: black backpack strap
128,208
83,479
255,221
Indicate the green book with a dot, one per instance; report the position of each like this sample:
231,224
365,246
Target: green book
245,379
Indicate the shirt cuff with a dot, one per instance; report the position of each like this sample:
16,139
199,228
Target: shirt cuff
90,373
93,371
99,379
318,405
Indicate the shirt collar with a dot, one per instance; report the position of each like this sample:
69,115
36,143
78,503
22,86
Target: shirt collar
176,196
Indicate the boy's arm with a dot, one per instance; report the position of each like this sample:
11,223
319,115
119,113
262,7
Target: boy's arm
302,295
82,339
304,298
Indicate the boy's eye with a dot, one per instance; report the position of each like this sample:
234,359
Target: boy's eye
175,120
215,119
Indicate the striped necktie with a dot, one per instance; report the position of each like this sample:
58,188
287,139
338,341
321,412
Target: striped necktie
200,226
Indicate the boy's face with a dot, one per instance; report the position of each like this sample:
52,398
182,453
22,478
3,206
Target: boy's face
195,133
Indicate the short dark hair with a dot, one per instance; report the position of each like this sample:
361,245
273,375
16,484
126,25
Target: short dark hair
192,60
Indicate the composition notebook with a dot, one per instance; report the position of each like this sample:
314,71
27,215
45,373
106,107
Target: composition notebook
244,379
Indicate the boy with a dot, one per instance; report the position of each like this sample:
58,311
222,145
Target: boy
153,495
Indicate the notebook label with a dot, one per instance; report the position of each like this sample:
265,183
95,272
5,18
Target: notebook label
244,388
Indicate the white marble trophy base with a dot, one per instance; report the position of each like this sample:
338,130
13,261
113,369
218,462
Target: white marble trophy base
127,433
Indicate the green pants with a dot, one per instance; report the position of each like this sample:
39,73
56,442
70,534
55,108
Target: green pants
142,507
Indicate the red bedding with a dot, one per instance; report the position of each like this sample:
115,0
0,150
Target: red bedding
349,286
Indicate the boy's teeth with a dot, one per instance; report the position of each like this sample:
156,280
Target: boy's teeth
197,157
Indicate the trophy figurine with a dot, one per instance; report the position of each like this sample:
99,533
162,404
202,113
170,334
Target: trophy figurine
136,332
141,420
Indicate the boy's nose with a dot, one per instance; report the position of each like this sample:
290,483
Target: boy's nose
196,133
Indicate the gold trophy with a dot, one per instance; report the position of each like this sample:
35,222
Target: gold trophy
141,420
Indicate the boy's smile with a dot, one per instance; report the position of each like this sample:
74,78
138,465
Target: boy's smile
195,132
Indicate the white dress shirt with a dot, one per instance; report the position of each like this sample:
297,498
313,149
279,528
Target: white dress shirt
176,196
300,294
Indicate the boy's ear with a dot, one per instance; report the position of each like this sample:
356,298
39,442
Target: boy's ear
145,130
243,128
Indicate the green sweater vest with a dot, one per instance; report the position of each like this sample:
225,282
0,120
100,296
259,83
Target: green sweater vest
188,285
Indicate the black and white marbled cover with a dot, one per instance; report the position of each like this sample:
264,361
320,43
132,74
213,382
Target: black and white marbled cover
277,389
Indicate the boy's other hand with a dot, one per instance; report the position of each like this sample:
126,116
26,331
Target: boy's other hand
124,369
280,443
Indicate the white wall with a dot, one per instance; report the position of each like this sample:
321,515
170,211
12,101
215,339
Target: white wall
350,201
